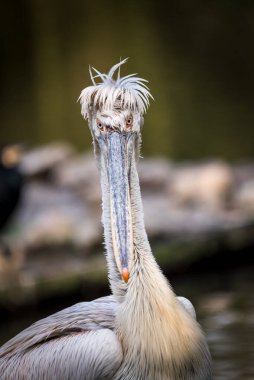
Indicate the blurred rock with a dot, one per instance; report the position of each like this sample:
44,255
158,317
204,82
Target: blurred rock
208,184
243,172
88,233
164,218
51,215
81,174
154,174
244,197
41,161
197,205
179,200
217,303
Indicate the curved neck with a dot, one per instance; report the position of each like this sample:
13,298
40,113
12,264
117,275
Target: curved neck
150,322
142,256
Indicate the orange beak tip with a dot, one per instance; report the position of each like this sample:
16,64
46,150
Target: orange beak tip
125,275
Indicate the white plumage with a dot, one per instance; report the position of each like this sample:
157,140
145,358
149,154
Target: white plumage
129,92
143,331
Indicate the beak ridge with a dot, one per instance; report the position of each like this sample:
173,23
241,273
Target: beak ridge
121,224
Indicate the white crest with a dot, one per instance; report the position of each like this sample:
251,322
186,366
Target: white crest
128,92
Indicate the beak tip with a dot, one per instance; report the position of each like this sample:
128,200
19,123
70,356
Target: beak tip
125,275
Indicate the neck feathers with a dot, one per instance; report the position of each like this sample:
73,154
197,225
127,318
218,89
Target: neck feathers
153,326
158,335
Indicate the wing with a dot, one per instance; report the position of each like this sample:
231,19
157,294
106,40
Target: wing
76,343
187,306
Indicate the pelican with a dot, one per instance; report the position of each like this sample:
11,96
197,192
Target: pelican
142,331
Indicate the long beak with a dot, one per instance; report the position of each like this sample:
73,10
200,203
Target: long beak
120,209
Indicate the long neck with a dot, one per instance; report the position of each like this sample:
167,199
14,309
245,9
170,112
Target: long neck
142,255
147,285
144,267
159,338
152,325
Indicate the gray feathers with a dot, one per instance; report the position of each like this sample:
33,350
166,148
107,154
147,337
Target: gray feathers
83,316
75,343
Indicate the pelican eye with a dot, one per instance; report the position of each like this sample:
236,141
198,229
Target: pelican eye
99,124
129,121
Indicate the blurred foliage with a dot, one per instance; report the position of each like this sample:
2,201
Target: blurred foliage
198,57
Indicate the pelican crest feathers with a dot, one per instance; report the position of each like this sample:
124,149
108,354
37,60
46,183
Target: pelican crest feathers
129,92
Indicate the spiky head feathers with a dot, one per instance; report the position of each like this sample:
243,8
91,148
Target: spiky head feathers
126,93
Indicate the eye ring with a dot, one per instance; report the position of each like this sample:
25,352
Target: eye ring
129,121
99,124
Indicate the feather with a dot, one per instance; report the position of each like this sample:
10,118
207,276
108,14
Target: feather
91,76
130,92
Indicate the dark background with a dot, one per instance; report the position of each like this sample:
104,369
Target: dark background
197,55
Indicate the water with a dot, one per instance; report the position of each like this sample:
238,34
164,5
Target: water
225,308
231,339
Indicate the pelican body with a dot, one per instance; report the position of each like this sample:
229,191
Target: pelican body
142,331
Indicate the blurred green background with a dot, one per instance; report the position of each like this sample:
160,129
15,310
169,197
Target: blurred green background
197,55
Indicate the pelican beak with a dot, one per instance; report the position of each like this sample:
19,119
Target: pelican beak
119,149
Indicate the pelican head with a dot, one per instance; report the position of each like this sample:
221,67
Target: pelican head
115,109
